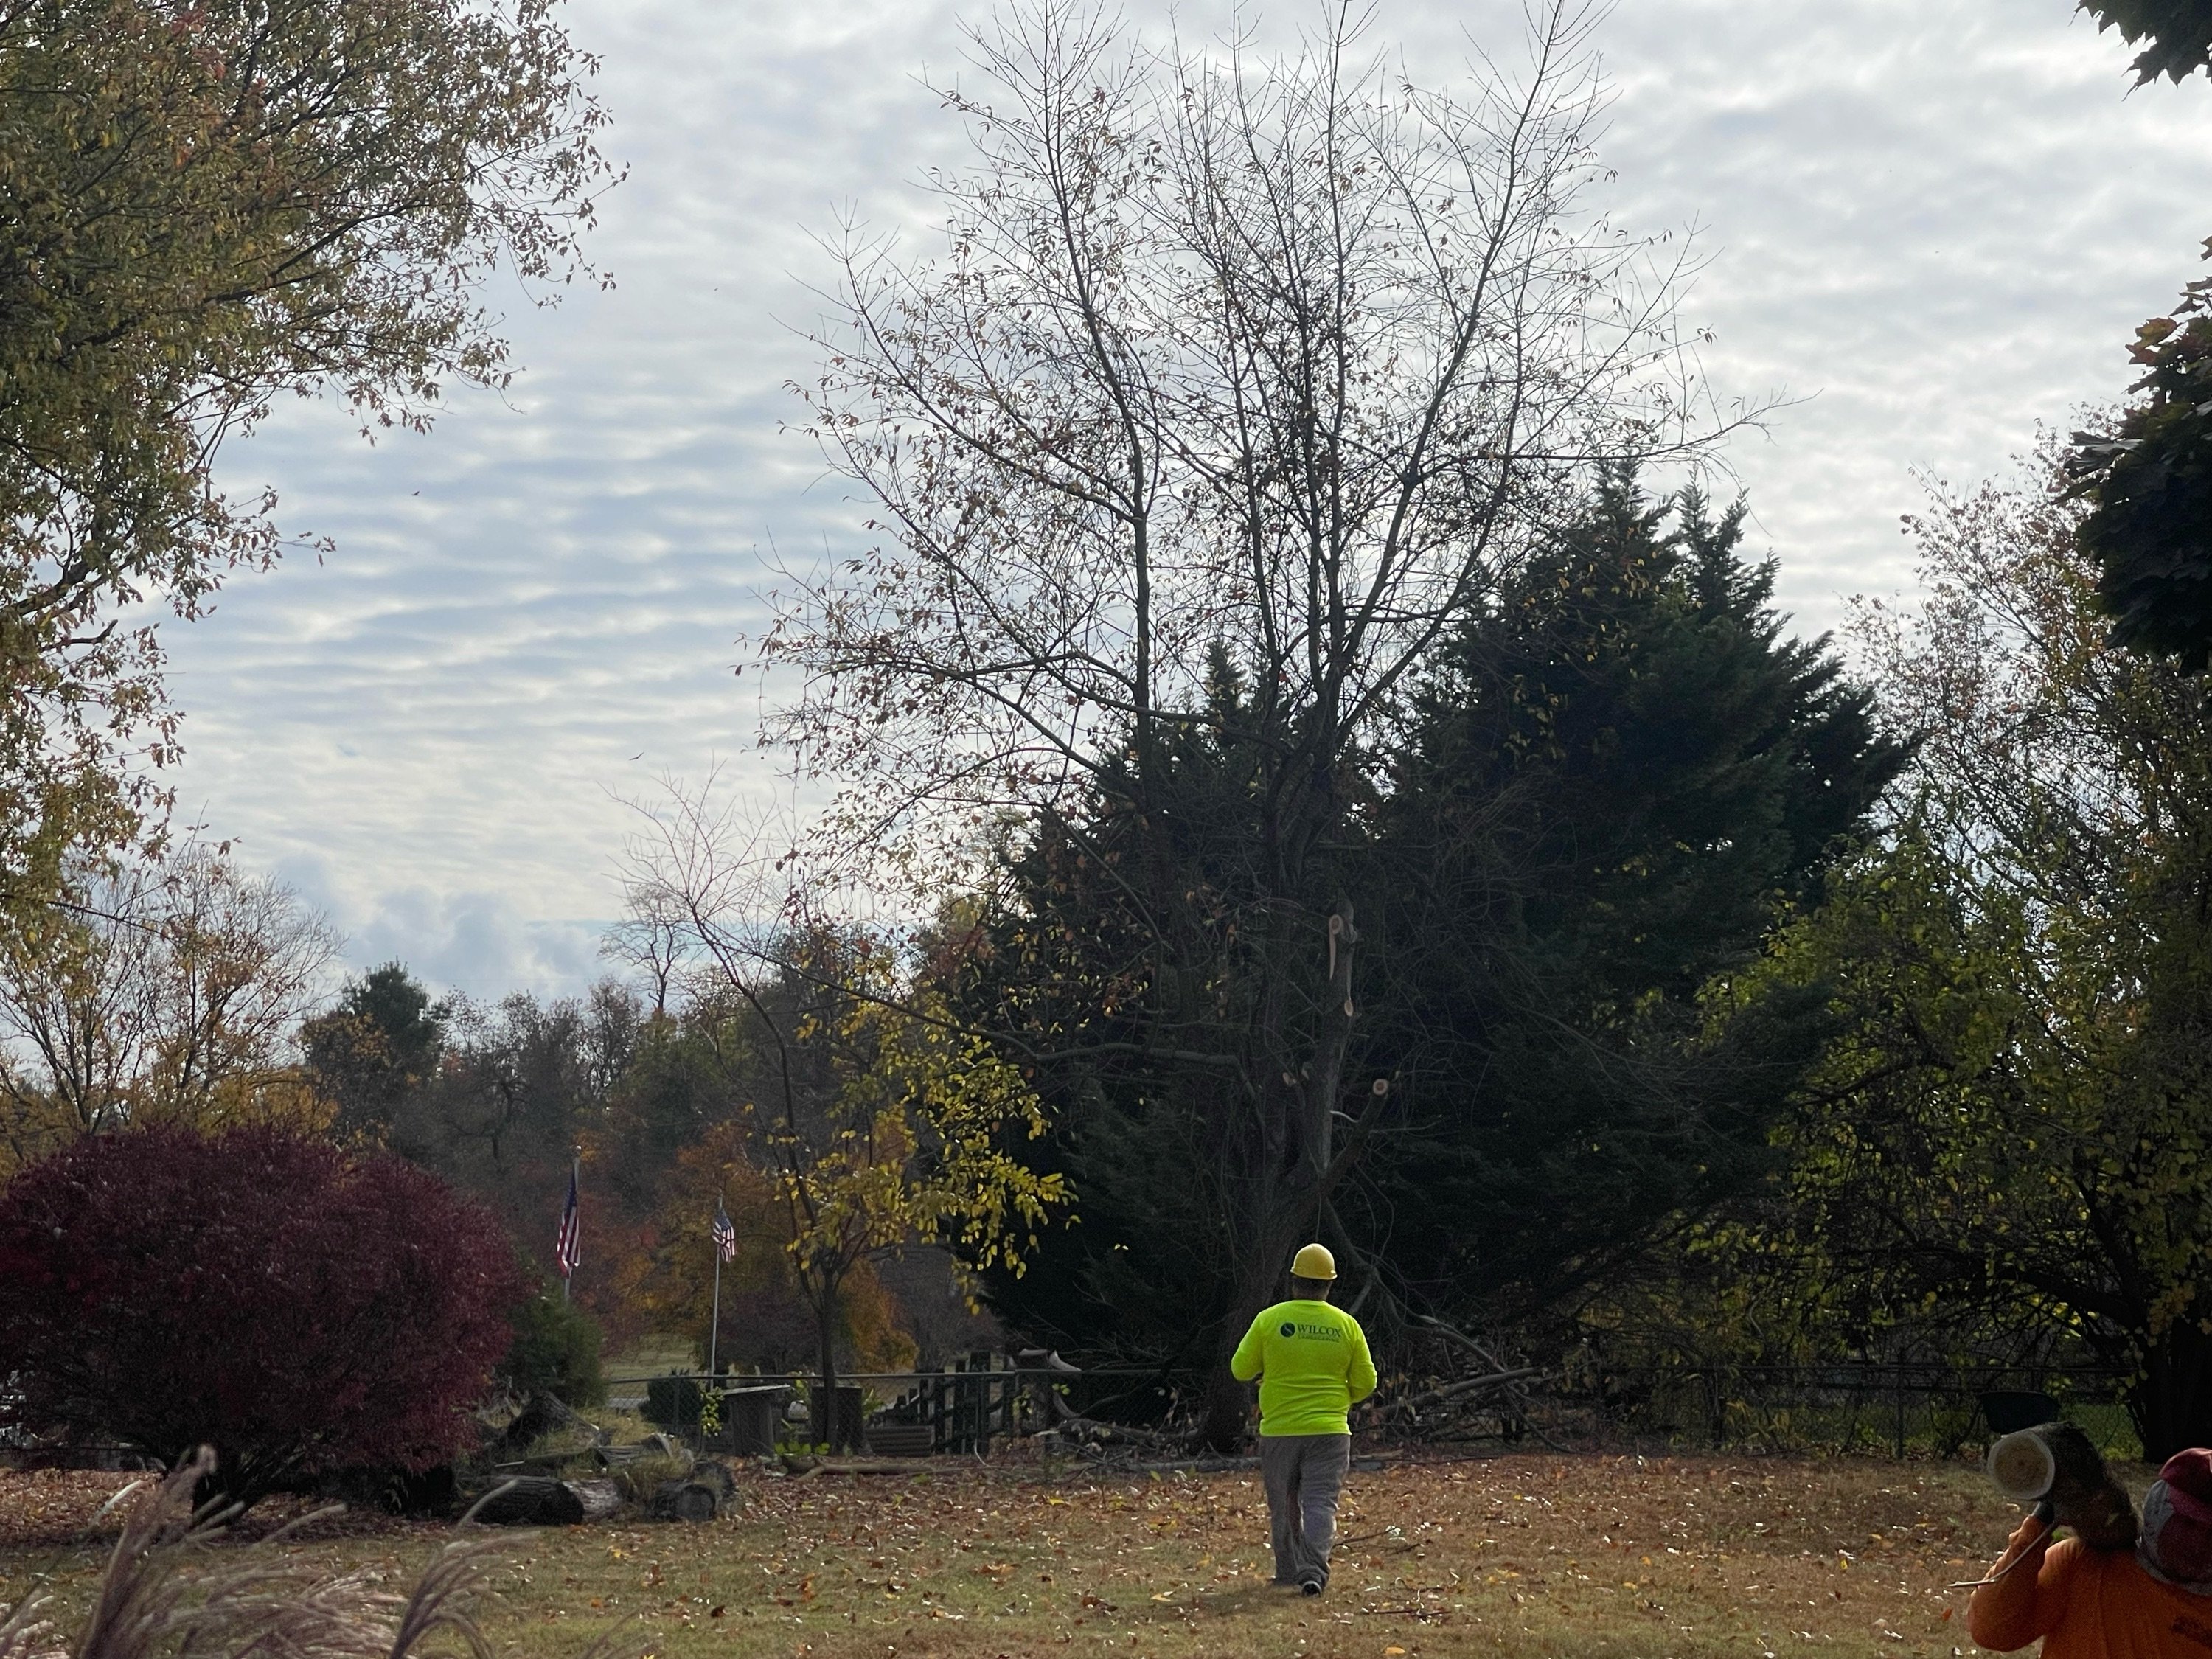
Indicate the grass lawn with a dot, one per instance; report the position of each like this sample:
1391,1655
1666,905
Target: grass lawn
1548,1555
650,1356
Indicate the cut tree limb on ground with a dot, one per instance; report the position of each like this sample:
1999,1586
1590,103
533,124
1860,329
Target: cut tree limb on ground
1068,1420
599,1498
1464,1387
528,1501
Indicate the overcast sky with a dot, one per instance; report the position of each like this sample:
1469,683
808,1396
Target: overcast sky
1935,222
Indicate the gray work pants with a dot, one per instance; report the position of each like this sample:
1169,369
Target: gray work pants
1303,1474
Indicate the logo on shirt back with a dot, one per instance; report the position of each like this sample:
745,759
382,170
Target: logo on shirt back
1287,1328
1315,1333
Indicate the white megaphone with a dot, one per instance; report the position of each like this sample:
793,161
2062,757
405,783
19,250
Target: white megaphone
2057,1468
2022,1465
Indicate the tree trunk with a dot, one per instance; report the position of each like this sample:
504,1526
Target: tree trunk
2172,1405
1228,1410
529,1501
1324,1090
1288,1182
1228,1402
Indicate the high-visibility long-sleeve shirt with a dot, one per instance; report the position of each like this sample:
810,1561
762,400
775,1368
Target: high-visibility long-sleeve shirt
1313,1366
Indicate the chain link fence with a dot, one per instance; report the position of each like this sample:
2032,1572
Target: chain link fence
1888,1408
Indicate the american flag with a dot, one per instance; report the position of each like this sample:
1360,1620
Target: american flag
726,1235
565,1243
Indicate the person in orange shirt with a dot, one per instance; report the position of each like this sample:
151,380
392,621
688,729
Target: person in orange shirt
2154,1602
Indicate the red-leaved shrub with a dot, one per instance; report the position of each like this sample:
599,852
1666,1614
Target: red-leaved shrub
298,1308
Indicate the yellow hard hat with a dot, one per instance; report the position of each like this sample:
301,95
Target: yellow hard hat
1314,1261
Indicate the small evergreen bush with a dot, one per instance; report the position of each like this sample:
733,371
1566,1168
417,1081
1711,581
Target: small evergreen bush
556,1350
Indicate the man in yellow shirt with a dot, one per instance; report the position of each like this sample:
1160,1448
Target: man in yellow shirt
1313,1366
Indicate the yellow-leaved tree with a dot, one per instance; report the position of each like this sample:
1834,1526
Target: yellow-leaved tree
879,1122
161,992
665,1274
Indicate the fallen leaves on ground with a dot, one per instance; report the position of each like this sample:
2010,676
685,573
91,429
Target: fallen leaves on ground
1612,1556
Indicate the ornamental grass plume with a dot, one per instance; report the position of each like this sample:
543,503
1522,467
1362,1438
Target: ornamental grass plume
165,1596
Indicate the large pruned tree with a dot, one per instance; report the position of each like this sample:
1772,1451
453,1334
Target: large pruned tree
1291,357
1612,783
203,207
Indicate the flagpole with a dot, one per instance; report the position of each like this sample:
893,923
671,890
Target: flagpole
715,1326
575,1170
723,1238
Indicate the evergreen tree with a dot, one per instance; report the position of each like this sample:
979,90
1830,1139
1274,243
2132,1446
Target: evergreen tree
495,1099
1620,778
1138,1018
1604,795
379,1045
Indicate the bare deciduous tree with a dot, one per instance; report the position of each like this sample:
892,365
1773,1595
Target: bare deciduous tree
1276,364
157,993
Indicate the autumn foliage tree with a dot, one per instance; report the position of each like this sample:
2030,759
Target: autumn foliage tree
163,991
202,208
766,1321
877,1121
299,1309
